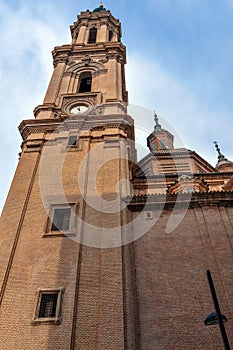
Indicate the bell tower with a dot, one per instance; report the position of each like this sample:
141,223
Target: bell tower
66,275
89,74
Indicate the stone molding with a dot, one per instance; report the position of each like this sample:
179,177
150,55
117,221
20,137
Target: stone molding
198,200
75,68
61,54
45,126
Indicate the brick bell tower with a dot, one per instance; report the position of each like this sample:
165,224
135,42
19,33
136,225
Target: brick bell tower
66,277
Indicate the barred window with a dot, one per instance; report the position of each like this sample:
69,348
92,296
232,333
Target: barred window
48,305
61,219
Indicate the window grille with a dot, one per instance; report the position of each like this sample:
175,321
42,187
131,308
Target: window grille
61,219
48,305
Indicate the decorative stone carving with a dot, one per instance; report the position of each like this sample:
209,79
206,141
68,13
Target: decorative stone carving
78,68
61,54
86,60
188,184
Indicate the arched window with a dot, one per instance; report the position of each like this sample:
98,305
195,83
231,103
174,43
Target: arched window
92,35
85,82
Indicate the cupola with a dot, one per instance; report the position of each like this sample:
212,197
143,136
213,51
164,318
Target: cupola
160,138
223,164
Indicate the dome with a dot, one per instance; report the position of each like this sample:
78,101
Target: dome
100,8
223,165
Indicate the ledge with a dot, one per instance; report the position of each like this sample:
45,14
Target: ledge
168,201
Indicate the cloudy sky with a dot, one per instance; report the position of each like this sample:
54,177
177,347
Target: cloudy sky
179,62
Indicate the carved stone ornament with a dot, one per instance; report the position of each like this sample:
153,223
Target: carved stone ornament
98,110
228,185
86,60
103,60
115,56
70,63
78,67
188,184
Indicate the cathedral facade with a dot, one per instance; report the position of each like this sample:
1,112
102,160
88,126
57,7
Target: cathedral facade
100,250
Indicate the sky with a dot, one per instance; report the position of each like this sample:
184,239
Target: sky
179,63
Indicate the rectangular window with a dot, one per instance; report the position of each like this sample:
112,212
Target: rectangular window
92,35
110,35
72,140
49,305
148,215
61,219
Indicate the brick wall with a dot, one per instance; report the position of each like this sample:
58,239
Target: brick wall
172,288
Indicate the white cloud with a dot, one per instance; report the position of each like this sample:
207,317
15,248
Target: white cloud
25,68
29,32
196,122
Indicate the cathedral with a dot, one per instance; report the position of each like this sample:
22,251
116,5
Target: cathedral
101,250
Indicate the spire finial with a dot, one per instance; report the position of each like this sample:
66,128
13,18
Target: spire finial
157,125
220,155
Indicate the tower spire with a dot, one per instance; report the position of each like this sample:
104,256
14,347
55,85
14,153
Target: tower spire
157,126
221,157
223,163
159,138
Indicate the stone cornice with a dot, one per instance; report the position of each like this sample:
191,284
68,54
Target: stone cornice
205,176
196,200
35,126
38,126
61,54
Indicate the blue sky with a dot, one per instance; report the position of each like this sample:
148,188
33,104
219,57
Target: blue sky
179,55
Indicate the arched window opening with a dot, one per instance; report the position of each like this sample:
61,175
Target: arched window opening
92,35
85,82
110,35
